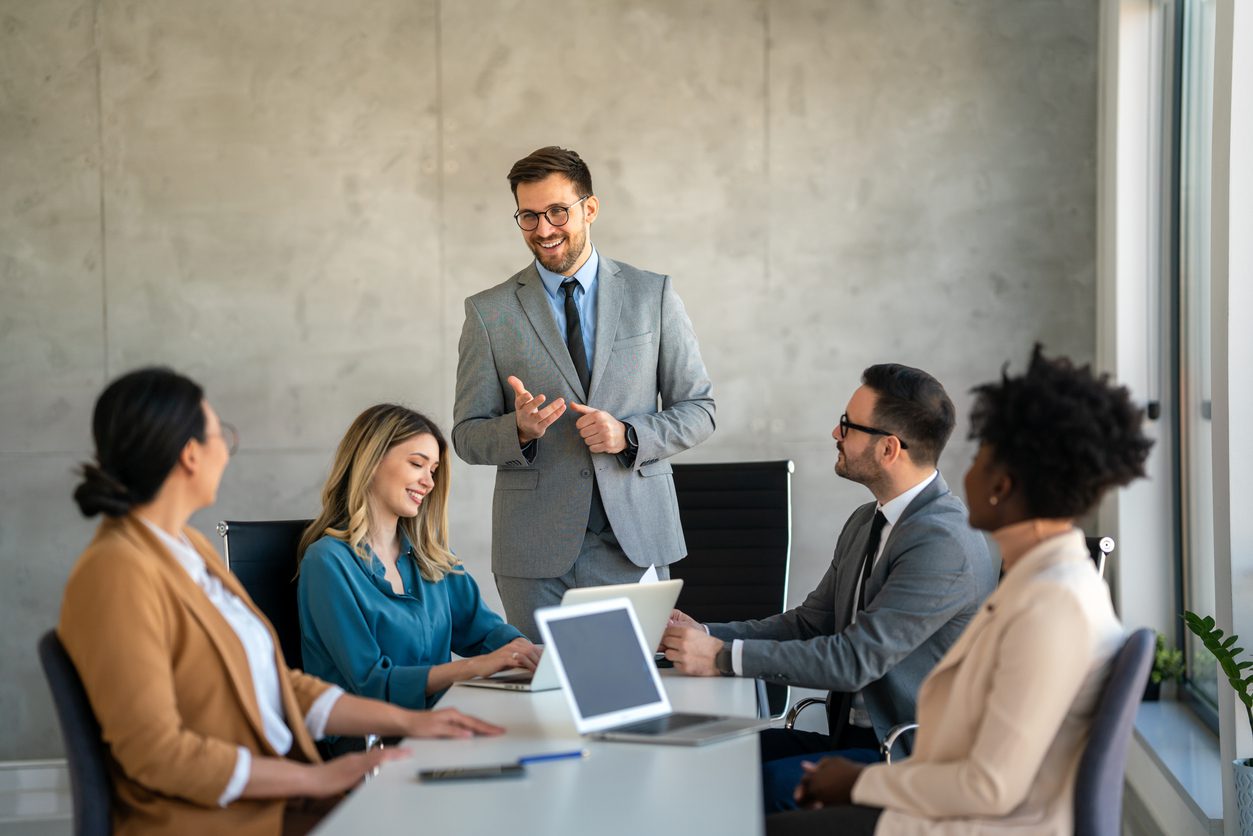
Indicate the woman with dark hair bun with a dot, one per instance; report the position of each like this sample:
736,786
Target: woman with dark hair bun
207,728
1003,717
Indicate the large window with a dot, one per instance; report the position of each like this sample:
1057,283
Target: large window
1192,309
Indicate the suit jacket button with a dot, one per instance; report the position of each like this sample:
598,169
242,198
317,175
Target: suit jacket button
586,473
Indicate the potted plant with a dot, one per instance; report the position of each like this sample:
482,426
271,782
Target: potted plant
1167,667
1227,653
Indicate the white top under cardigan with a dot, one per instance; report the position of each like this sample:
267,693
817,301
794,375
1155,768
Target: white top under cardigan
257,644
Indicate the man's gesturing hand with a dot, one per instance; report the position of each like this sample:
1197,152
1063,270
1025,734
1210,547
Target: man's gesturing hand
533,422
602,433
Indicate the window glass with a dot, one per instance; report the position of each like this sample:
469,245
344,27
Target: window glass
1196,490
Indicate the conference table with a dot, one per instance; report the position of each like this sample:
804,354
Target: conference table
618,788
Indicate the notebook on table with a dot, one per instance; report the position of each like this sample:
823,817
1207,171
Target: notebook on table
611,684
652,601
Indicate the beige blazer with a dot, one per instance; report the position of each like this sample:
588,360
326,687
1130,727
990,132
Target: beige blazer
1004,715
170,684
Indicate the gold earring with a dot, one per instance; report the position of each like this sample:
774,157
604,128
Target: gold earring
992,500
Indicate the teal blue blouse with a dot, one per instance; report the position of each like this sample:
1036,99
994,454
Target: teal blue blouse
359,634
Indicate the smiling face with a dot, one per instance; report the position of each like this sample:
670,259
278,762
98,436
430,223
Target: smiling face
561,249
405,475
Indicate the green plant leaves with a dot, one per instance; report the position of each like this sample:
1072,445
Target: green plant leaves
1226,652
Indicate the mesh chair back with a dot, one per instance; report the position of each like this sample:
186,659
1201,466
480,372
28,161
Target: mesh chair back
262,554
1099,782
88,758
737,521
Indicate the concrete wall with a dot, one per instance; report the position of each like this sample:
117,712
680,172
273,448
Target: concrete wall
289,201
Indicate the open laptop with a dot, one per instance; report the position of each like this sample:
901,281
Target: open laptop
652,601
613,688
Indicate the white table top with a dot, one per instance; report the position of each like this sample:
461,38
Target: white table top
619,788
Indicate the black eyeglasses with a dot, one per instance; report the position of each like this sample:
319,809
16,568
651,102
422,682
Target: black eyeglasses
557,215
846,425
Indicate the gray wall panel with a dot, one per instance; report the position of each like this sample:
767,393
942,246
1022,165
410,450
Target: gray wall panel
51,321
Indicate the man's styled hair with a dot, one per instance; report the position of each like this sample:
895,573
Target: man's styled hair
912,405
549,160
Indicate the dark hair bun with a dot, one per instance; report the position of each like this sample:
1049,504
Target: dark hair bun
100,493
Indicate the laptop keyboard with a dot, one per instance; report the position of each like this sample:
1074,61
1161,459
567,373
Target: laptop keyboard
661,725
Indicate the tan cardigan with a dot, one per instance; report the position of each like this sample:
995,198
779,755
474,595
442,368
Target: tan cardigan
1005,714
170,684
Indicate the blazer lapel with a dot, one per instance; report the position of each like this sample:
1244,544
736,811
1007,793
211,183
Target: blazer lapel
214,624
609,293
534,300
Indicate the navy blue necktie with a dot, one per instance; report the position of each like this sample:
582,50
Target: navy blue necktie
574,337
872,548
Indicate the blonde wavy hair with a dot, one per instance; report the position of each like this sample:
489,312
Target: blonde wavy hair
345,496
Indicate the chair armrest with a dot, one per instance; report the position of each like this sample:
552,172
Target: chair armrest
798,707
889,740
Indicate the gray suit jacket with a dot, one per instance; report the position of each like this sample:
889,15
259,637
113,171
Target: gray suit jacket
645,349
934,573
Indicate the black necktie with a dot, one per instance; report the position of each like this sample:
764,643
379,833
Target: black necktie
596,519
574,337
872,548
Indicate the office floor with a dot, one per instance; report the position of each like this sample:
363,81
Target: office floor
35,799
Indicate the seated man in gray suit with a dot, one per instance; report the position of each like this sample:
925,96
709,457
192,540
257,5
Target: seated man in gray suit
908,574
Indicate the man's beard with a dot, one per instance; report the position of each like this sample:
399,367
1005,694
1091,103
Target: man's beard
574,249
862,470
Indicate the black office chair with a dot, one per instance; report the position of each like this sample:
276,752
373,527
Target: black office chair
85,751
262,554
737,521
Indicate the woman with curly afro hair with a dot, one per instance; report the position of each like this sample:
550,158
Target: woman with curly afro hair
1004,716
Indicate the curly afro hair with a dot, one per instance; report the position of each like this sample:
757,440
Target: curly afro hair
1064,434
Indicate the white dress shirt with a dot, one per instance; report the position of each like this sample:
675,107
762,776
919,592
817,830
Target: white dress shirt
255,638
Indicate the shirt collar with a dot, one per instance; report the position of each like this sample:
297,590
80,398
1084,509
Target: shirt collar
182,550
893,508
585,275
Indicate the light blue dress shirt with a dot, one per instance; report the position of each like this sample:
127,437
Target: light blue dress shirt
584,299
358,633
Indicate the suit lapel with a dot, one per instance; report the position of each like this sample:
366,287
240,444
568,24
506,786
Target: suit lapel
609,293
534,301
848,569
938,488
215,625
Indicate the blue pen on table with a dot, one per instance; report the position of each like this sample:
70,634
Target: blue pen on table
552,756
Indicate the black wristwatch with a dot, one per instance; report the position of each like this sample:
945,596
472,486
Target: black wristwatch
722,660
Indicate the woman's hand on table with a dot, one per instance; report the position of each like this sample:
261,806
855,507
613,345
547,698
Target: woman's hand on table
829,782
448,722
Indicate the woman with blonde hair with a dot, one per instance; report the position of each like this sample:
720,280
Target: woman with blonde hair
383,601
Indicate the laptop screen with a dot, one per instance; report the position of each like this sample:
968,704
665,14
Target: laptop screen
604,662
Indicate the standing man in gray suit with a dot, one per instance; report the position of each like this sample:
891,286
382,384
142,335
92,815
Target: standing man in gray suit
585,498
908,574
